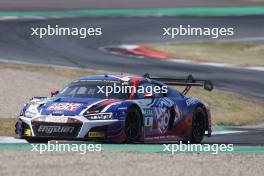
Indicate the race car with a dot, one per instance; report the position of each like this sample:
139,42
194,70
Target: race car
99,108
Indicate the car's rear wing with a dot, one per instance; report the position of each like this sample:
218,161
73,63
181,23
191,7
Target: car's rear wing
188,82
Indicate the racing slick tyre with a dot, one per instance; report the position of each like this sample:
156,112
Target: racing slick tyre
133,126
198,125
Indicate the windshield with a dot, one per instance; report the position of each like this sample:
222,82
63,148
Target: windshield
94,89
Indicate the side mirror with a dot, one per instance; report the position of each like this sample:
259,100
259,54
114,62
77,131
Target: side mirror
208,85
53,92
149,95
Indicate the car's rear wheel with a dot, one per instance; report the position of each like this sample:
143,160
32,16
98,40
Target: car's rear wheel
133,126
198,125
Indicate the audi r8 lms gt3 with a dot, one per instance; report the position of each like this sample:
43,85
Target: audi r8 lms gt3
90,109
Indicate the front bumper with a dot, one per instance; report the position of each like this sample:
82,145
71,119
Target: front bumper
30,127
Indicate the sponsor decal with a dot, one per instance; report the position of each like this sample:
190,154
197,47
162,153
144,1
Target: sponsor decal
55,129
56,119
163,113
148,112
148,123
163,121
64,107
27,132
96,134
191,101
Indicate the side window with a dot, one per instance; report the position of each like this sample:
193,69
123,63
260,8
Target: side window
85,91
148,87
71,92
82,90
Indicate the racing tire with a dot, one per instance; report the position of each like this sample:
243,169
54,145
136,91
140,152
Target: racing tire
198,125
133,126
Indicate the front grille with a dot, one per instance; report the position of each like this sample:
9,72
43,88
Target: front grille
56,129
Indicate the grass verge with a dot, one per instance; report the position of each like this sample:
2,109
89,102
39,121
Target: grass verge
231,109
238,53
186,11
60,71
7,126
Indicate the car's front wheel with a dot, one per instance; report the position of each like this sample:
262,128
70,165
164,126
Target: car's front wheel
133,126
198,125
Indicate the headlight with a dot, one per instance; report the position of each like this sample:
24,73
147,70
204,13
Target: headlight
99,116
32,111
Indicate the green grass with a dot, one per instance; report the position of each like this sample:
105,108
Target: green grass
191,11
231,109
238,53
7,126
61,71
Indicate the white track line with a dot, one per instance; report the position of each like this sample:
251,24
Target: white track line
11,140
227,132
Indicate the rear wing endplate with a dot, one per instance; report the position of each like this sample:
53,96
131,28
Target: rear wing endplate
188,82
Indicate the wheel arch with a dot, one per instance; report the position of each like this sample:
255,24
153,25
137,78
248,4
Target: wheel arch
139,110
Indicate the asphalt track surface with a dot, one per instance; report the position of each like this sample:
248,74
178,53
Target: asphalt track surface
25,5
17,44
247,136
